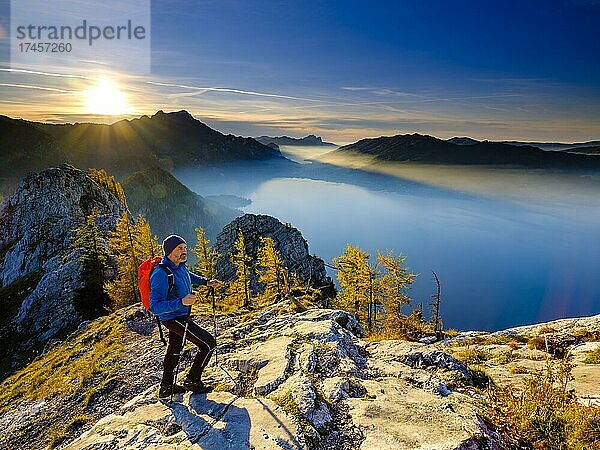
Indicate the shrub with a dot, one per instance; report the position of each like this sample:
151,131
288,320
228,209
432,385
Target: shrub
593,357
451,332
556,344
517,369
471,355
545,413
505,357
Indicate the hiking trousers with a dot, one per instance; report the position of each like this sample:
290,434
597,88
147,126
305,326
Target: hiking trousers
205,342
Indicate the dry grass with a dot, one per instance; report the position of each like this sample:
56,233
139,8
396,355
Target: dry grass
544,414
58,436
514,341
471,355
506,357
66,368
593,357
518,369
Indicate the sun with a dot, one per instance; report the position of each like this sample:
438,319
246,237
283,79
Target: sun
106,98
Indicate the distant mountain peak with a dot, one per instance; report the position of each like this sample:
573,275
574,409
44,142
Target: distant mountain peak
463,140
310,139
182,113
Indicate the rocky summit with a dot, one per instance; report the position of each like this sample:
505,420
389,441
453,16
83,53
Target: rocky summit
282,380
39,270
289,376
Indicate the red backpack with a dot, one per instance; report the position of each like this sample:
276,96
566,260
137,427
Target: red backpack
144,271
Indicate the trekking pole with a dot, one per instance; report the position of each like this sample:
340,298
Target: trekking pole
212,294
185,330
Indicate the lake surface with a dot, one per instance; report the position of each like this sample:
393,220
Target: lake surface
504,257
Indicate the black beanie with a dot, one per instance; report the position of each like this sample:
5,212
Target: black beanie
171,242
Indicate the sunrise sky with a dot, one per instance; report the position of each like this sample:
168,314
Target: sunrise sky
527,70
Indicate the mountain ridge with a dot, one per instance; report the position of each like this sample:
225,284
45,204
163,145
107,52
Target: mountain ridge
428,149
166,140
309,140
290,379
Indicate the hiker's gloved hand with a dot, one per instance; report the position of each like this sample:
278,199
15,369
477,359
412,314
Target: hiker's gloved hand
189,300
213,283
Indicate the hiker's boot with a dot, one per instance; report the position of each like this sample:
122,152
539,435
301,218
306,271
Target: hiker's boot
196,387
167,390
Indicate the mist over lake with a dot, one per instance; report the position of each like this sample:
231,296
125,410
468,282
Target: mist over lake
509,246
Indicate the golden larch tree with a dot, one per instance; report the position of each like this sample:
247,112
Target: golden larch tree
358,283
271,272
239,289
131,243
394,282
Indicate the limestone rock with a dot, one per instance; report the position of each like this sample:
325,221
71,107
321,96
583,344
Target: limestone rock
39,270
284,381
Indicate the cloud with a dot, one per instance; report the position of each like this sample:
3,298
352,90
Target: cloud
202,90
42,88
47,74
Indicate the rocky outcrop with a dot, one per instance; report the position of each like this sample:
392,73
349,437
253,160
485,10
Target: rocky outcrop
39,270
289,241
284,380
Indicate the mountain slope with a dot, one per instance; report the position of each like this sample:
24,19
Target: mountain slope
428,149
586,150
23,149
293,380
553,146
164,140
171,208
463,140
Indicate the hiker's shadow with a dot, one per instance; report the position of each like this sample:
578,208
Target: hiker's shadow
214,425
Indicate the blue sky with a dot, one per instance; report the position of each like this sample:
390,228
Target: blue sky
525,70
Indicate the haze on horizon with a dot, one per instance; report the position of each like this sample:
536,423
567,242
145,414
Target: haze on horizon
345,71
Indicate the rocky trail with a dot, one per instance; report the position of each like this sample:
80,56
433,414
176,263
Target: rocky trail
285,380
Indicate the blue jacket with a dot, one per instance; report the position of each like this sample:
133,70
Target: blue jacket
167,308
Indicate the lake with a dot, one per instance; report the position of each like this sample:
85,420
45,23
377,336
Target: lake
517,249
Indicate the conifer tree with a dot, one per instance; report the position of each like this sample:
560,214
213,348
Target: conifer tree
101,177
239,289
436,318
207,263
270,269
207,256
91,300
146,244
131,243
393,284
358,280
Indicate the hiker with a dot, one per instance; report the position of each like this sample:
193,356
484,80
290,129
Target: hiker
173,306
